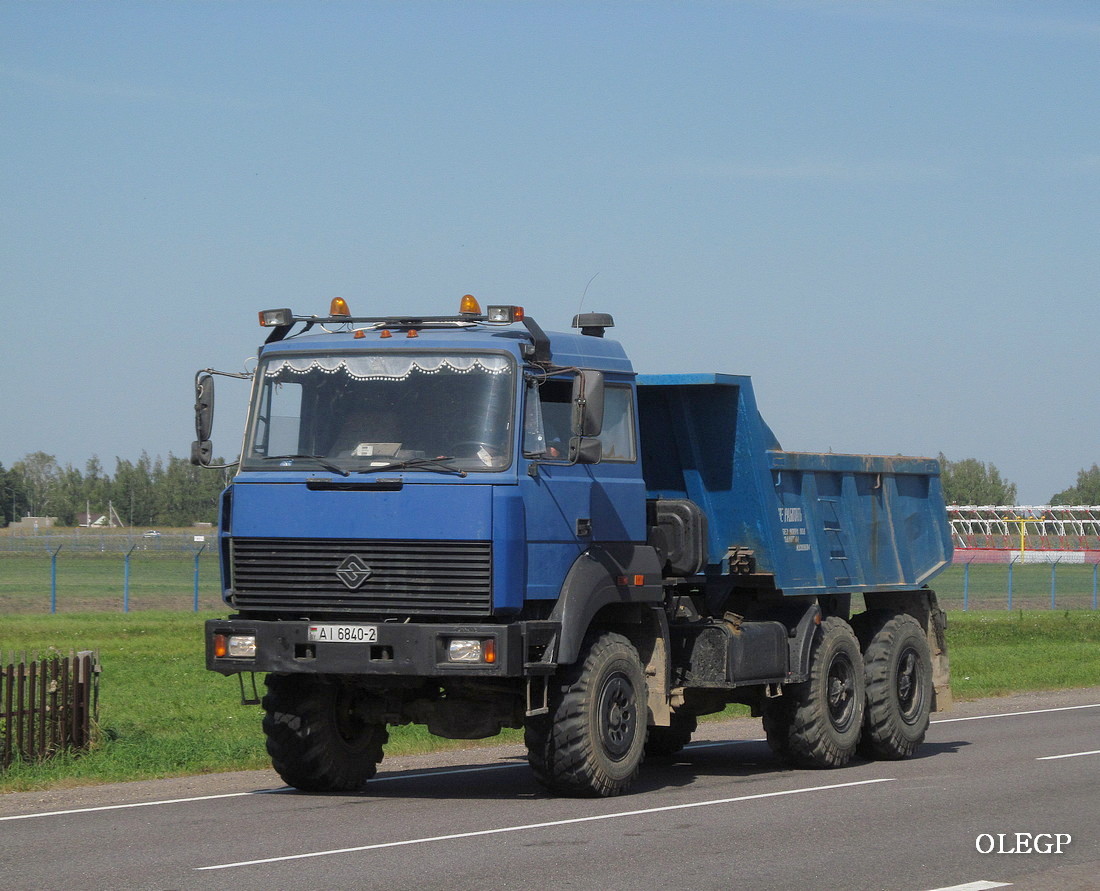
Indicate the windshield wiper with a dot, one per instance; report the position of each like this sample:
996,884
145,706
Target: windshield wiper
324,462
435,465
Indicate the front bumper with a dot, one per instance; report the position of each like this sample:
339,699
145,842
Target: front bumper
400,650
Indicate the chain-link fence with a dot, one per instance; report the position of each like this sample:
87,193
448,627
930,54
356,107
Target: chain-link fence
1018,584
110,570
122,570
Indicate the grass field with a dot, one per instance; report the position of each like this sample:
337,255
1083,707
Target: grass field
162,714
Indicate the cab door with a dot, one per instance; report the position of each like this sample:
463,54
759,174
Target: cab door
571,507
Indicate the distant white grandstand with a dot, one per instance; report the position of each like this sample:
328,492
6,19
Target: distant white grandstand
1025,534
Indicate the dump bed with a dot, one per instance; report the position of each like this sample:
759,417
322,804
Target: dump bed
821,523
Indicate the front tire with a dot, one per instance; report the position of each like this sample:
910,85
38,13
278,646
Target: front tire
898,666
592,742
319,735
818,723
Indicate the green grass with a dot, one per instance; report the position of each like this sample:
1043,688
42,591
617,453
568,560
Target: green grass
162,714
995,653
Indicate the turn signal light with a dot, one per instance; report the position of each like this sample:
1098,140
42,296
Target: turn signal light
234,646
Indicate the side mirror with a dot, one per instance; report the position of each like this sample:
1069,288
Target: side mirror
202,453
202,449
585,450
587,404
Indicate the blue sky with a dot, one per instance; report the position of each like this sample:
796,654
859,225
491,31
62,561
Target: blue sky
888,213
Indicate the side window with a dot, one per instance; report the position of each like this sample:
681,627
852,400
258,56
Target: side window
547,421
618,424
277,430
547,424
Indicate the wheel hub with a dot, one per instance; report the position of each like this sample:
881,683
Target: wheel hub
909,694
618,716
841,688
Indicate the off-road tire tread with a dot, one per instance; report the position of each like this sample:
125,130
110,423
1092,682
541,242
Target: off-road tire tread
797,724
305,748
886,736
561,747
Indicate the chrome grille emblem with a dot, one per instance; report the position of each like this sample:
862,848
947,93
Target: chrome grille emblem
353,572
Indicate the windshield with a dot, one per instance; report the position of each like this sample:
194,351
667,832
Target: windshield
366,412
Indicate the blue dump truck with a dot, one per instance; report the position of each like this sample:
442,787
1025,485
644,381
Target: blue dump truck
470,523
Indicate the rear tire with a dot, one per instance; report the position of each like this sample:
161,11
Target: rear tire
318,734
818,723
898,665
592,742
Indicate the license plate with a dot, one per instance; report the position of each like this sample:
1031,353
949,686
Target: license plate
343,633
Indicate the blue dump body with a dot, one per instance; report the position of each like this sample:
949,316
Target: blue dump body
821,523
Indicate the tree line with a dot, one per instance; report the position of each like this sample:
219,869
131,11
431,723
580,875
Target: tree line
173,492
147,492
971,481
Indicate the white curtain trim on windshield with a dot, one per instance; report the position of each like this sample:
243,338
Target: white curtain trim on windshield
396,367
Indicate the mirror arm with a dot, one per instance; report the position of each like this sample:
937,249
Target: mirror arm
540,341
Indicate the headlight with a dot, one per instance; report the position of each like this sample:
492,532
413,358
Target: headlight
480,651
242,646
236,646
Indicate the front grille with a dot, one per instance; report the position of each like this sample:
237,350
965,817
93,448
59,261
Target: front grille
298,576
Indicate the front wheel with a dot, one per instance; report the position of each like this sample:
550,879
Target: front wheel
818,723
593,740
319,735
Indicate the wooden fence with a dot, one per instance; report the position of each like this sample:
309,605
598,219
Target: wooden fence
47,705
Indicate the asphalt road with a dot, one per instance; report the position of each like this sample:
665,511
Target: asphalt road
1019,777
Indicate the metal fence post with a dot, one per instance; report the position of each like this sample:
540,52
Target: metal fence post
197,555
126,580
53,578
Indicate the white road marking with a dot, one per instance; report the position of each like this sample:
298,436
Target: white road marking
1038,711
117,807
975,886
1070,755
530,826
